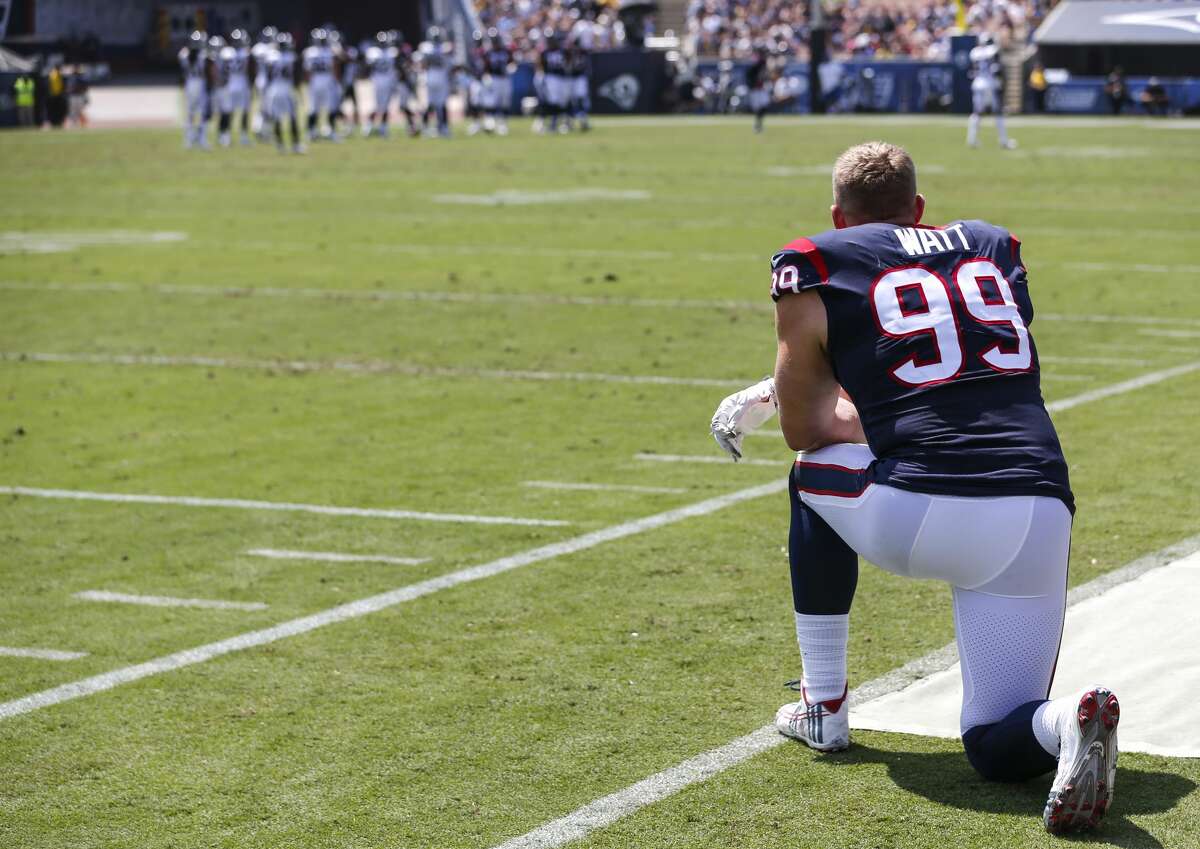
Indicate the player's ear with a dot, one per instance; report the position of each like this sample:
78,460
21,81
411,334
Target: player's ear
918,208
839,217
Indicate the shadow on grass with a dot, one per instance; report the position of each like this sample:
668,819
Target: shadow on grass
947,779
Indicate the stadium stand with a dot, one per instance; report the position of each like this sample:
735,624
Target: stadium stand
916,29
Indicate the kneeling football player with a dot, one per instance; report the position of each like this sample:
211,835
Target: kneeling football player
907,380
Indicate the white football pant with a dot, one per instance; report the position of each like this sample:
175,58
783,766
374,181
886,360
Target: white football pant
1005,558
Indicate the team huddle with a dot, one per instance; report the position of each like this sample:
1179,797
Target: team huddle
418,84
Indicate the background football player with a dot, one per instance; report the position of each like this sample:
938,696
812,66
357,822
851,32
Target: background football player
258,53
987,81
433,59
497,82
324,92
758,83
351,69
579,102
381,59
195,63
233,86
468,79
553,64
281,91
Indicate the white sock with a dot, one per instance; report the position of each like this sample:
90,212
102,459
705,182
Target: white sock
1000,131
1049,719
822,642
973,129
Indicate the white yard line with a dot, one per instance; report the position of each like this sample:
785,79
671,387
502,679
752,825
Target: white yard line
168,601
1148,379
1137,267
372,604
441,296
603,487
41,654
615,806
1170,334
246,504
1094,361
359,367
335,557
708,458
469,297
1098,318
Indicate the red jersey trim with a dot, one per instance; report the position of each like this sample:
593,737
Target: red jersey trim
806,247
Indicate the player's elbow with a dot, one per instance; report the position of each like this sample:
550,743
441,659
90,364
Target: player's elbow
800,435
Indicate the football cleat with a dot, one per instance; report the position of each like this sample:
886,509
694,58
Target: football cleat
824,726
1087,764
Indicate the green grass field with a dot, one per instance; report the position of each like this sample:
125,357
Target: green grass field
329,332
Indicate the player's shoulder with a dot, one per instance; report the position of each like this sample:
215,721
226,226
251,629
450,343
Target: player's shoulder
989,239
800,264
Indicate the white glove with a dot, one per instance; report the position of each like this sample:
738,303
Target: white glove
741,413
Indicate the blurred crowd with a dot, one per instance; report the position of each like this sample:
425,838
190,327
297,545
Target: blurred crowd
918,29
525,24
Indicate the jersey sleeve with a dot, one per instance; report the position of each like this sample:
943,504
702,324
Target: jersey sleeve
796,268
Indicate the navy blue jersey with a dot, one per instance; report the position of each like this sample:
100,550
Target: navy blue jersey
554,61
929,335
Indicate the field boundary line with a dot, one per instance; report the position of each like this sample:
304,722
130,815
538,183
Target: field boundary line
334,556
360,367
468,297
282,506
615,806
371,604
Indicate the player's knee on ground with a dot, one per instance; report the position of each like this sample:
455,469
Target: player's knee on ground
1008,750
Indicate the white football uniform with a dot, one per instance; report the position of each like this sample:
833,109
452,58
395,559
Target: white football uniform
435,67
985,84
324,95
281,71
194,64
233,81
195,79
385,79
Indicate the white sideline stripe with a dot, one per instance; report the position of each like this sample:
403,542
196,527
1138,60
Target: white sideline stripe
246,504
603,487
335,557
1148,379
465,297
709,458
168,601
359,367
371,604
41,654
615,806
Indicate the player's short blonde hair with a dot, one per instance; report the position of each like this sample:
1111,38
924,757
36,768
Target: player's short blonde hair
875,180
